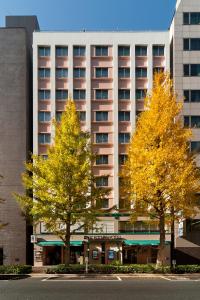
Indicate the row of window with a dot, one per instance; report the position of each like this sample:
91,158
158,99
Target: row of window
123,94
101,116
101,138
191,95
99,72
62,51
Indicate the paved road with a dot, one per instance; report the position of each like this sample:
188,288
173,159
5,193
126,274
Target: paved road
102,288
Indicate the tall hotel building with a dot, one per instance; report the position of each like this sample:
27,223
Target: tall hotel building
108,74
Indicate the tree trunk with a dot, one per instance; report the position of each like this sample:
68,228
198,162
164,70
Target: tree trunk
161,252
67,244
172,238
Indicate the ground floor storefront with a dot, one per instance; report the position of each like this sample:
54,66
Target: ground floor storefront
99,250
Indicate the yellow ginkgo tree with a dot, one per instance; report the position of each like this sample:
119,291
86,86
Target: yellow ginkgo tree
160,174
63,187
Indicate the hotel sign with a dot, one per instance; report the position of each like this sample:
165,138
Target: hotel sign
103,237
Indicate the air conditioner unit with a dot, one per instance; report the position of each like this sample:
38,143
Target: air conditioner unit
33,239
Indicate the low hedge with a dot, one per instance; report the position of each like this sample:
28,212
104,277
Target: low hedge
105,269
122,269
16,269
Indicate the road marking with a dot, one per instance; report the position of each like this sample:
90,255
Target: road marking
179,279
79,280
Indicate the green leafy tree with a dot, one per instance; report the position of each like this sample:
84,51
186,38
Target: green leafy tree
160,174
63,186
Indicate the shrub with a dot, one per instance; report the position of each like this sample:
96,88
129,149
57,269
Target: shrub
181,269
15,269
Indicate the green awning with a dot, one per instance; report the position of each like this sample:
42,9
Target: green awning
59,243
142,242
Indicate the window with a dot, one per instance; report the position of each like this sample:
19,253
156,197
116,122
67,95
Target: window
186,121
186,19
140,50
191,70
195,18
192,121
82,116
122,158
61,73
44,116
102,160
101,138
158,70
79,72
101,116
44,72
44,156
140,94
102,181
101,50
195,96
101,94
192,18
44,94
101,72
61,51
124,94
79,50
191,44
79,94
195,146
44,51
61,94
124,51
124,137
58,116
44,138
124,116
104,203
141,72
186,70
124,72
158,50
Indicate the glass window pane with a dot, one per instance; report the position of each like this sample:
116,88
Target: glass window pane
141,50
186,44
195,69
61,94
195,18
79,51
82,115
61,51
44,51
195,146
185,18
186,121
101,116
44,94
186,94
186,70
195,44
195,95
124,51
195,121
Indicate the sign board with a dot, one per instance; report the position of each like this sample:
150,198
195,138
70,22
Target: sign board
33,239
111,254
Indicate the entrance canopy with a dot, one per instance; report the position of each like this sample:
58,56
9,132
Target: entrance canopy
142,242
59,243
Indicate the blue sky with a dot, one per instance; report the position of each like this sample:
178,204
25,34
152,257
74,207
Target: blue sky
93,14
